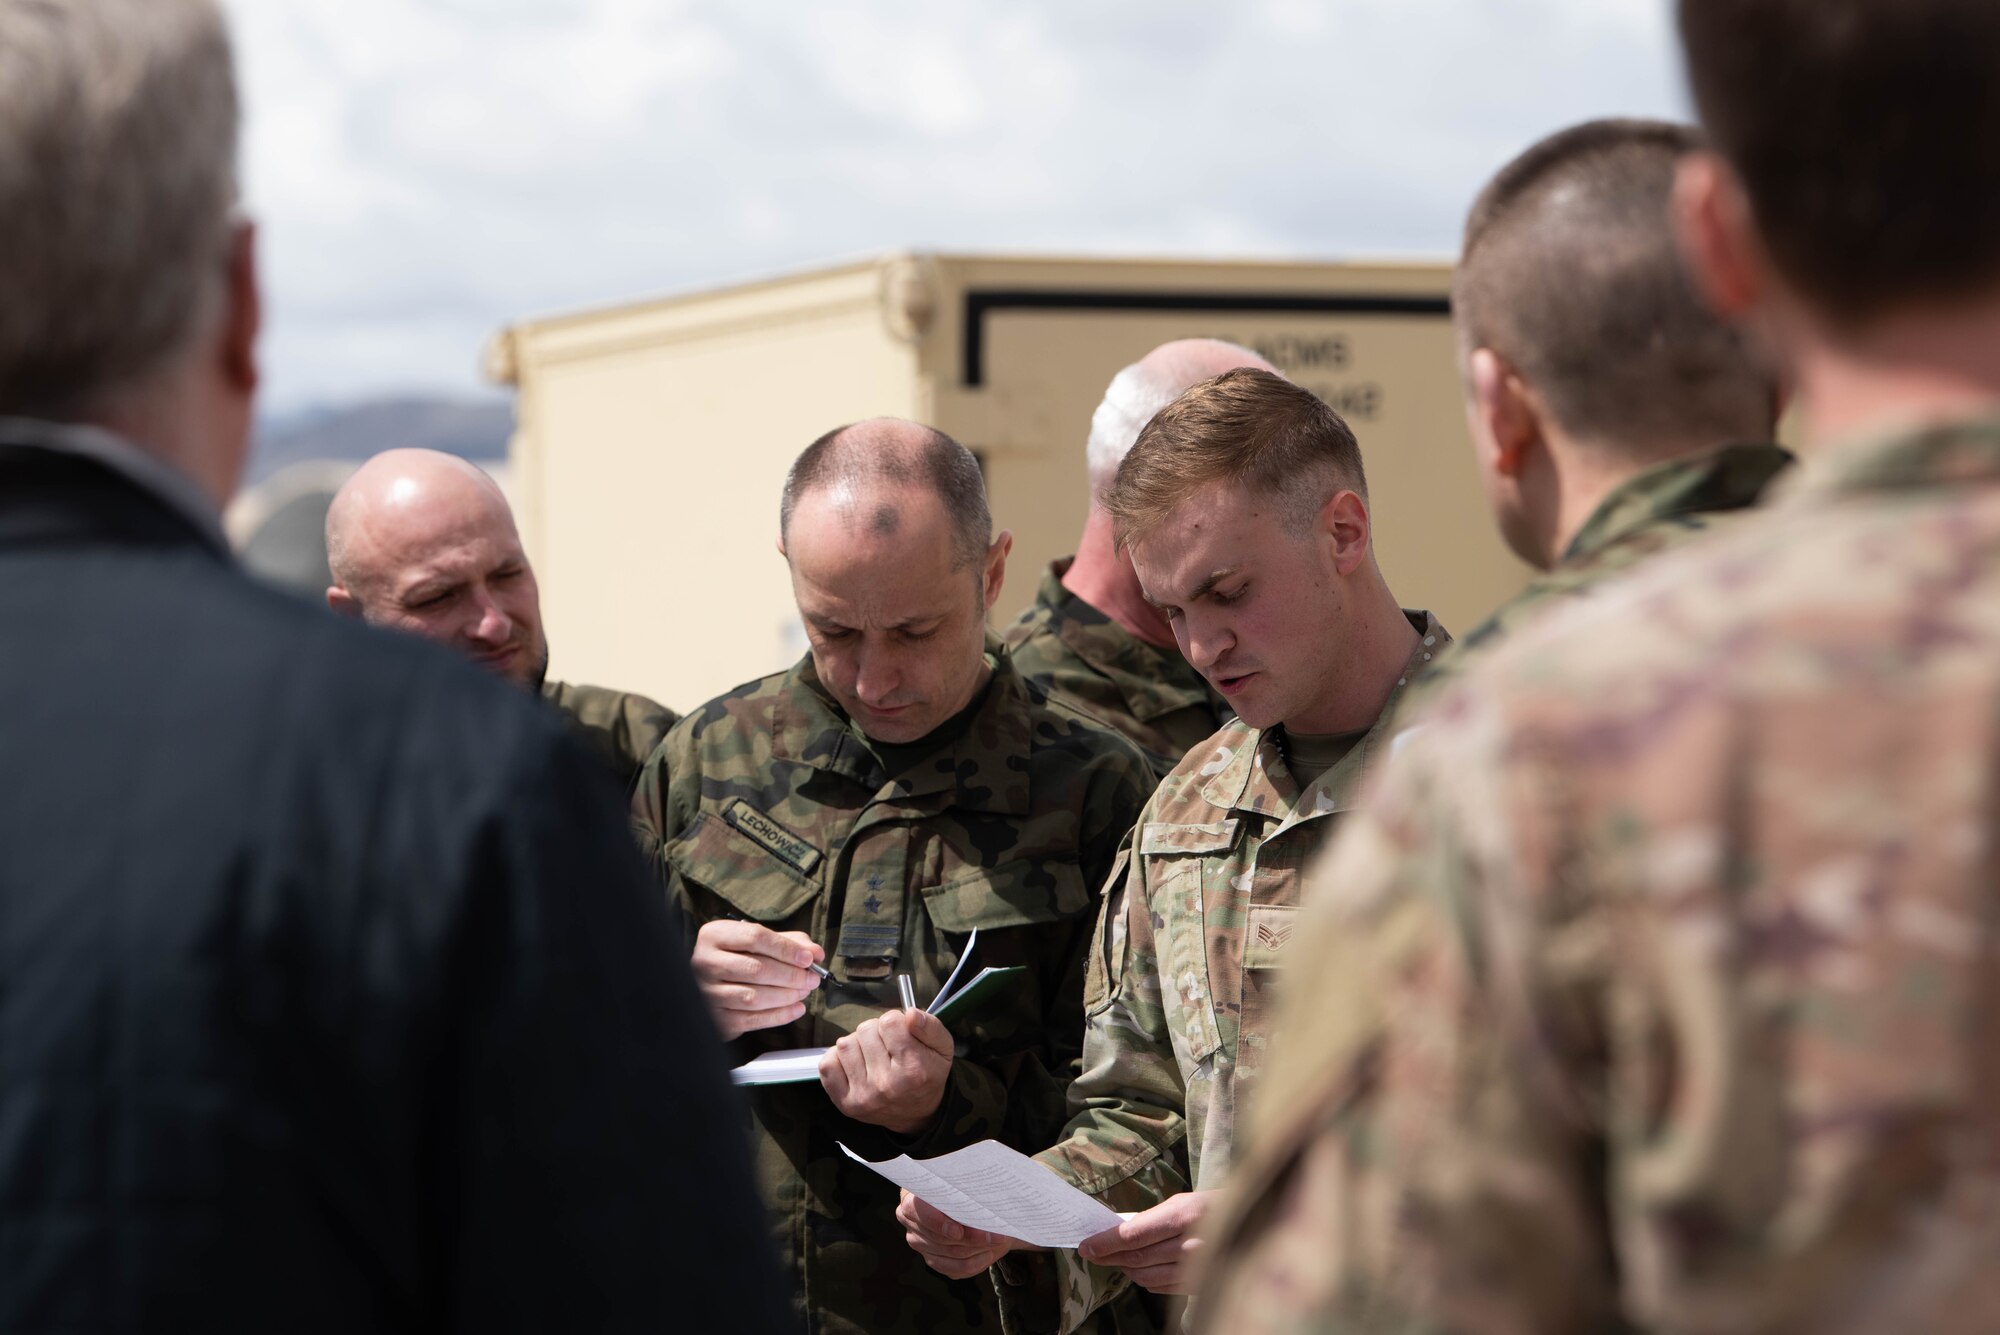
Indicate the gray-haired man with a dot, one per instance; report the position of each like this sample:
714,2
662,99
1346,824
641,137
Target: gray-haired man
1090,637
331,993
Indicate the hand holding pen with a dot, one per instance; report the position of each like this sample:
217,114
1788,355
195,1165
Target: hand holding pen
752,977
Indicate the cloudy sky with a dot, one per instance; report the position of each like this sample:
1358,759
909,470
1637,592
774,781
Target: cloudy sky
427,170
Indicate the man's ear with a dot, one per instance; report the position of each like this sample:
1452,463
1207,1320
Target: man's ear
1344,520
996,567
343,602
1718,236
243,320
1509,425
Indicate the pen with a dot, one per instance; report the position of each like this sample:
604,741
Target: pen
908,992
825,974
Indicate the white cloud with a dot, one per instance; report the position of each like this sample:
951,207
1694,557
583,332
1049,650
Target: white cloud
427,170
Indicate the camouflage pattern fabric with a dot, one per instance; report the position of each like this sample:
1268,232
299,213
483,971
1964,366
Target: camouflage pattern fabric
1196,922
1661,509
1077,653
1658,981
622,727
765,804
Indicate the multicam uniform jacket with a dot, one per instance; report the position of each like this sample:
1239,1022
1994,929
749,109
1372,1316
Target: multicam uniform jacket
622,727
1196,922
1660,975
1661,509
1152,696
764,804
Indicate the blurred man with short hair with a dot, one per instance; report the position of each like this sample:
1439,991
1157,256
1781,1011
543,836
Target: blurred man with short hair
1656,983
424,542
1613,415
330,989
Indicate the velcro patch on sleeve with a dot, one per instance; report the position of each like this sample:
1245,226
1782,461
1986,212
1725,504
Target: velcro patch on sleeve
1269,932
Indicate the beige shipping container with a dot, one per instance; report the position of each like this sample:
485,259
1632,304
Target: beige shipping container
652,440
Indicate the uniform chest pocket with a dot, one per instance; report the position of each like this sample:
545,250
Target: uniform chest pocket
1013,894
727,859
1182,865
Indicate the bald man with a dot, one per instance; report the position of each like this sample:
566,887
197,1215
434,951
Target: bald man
425,542
898,789
1090,637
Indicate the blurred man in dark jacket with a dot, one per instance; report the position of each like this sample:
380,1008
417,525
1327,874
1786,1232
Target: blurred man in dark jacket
331,994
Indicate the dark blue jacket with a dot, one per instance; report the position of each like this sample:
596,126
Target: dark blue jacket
333,996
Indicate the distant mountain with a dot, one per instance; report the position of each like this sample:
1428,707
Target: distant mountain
471,428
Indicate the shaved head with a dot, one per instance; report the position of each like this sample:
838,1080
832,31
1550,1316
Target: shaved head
1138,392
868,467
395,491
425,542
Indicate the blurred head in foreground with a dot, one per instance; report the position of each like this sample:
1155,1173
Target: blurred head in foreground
128,290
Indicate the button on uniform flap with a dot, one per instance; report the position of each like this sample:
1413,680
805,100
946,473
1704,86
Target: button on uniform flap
1169,838
724,858
1267,934
1013,894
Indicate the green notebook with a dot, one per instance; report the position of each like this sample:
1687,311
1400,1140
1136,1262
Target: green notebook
987,984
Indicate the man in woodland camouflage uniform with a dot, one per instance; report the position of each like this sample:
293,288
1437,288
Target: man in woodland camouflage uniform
424,542
1660,977
1245,509
1613,415
898,789
1090,637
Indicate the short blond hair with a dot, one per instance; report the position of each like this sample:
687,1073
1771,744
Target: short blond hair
118,126
1247,428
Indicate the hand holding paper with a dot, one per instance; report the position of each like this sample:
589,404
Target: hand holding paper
1155,1247
947,1246
999,1191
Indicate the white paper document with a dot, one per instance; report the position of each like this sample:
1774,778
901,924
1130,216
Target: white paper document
790,1067
988,1186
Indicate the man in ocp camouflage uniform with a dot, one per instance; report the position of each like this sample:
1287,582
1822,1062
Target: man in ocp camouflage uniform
898,789
1613,415
1661,974
1090,637
425,542
1244,506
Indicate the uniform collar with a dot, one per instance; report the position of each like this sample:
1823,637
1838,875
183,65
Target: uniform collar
1731,478
1152,681
1908,459
1247,771
984,769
